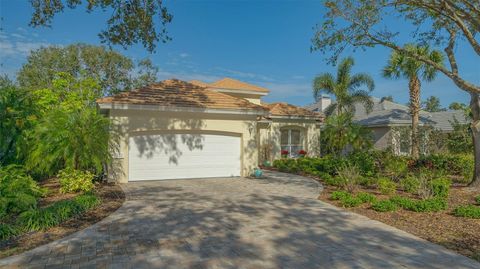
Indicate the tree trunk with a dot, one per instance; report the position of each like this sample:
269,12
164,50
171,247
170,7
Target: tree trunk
475,106
414,85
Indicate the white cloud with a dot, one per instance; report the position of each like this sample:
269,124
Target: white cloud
186,76
183,55
286,90
18,45
245,75
19,48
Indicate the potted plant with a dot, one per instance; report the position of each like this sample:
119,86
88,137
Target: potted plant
284,153
302,153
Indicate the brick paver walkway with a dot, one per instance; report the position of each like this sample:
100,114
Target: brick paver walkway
236,223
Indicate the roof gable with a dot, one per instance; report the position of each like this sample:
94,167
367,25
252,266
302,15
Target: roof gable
284,109
233,84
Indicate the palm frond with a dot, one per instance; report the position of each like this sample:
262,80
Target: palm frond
394,67
360,79
323,83
330,110
429,73
363,98
344,70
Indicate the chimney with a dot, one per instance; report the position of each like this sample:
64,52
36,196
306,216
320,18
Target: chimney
324,101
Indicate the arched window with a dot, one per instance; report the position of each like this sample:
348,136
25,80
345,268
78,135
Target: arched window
291,141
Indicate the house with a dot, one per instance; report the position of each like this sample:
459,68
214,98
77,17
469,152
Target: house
386,116
177,129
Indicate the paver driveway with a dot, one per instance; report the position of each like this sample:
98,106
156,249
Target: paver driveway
237,223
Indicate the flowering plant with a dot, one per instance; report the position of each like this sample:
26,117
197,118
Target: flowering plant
302,152
284,152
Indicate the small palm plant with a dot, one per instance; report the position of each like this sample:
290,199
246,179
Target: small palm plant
399,66
346,88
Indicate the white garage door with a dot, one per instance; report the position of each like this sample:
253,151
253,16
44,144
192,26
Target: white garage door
171,156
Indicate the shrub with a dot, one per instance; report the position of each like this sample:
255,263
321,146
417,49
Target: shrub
350,201
424,186
338,195
468,211
427,205
440,187
477,199
64,210
350,177
365,162
430,205
329,164
72,180
368,182
448,164
7,231
384,206
366,197
403,202
410,184
395,167
286,165
37,219
86,201
18,191
44,218
386,186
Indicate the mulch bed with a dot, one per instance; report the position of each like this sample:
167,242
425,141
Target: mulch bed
455,233
458,234
112,198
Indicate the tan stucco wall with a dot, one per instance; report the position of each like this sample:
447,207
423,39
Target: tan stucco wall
269,136
253,98
136,122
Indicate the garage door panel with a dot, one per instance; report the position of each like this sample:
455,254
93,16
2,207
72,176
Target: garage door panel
172,156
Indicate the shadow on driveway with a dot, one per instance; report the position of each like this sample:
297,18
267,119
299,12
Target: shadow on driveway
237,223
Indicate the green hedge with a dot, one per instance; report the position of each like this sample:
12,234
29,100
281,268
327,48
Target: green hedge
383,163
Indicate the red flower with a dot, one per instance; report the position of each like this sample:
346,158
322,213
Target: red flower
302,152
284,152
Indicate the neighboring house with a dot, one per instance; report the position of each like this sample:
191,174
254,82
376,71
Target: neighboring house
387,115
177,129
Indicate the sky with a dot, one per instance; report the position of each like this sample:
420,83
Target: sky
266,43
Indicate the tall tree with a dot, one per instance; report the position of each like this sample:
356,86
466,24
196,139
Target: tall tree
457,106
400,65
366,24
346,88
432,104
114,71
131,21
70,131
17,115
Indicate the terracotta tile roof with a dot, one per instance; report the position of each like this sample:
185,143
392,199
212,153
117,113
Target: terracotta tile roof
177,93
231,84
199,83
284,109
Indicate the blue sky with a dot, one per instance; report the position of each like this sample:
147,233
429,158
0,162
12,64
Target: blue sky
261,42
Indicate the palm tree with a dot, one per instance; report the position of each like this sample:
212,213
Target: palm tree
346,89
399,66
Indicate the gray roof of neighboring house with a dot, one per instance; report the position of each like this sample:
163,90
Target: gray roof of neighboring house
386,113
443,119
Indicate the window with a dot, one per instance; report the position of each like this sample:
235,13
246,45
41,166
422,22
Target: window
291,141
